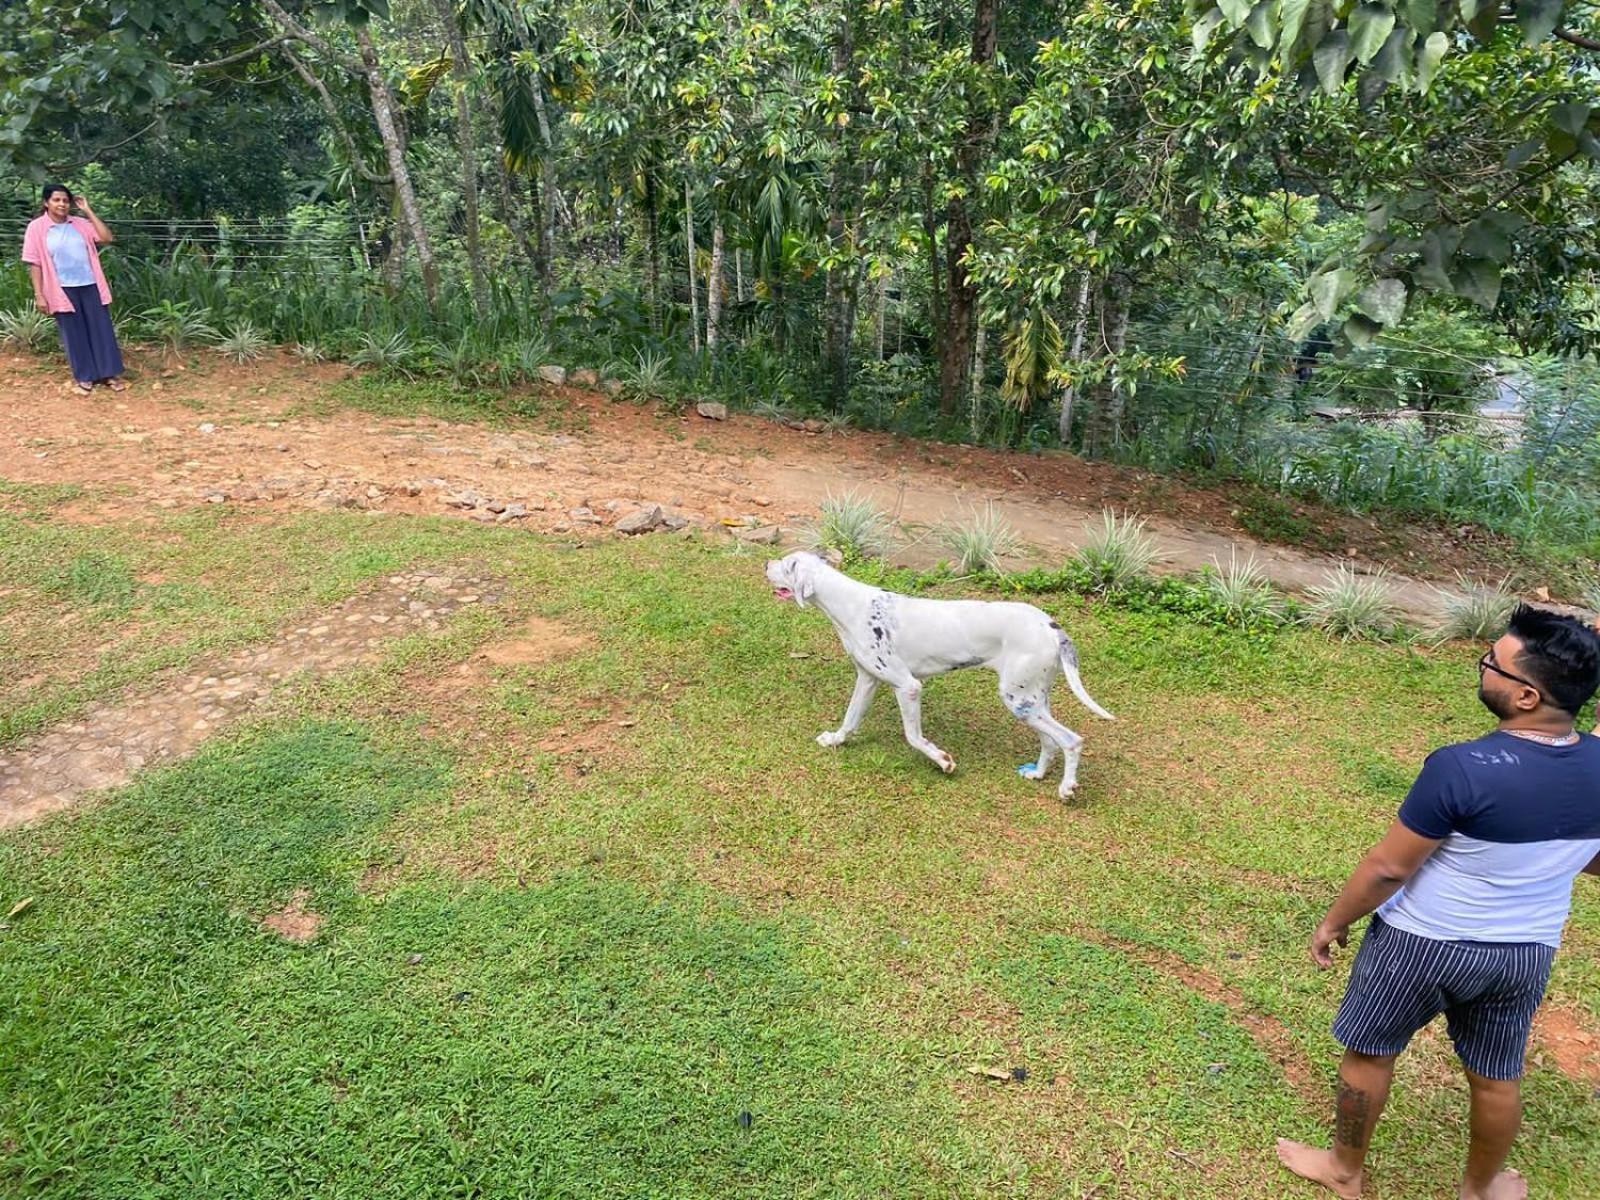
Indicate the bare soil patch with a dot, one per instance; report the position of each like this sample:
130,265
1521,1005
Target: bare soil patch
294,922
259,436
1568,1040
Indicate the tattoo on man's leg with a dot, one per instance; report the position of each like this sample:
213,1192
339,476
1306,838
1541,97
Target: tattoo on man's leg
1350,1117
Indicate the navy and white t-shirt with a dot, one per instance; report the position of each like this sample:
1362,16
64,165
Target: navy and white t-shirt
1518,821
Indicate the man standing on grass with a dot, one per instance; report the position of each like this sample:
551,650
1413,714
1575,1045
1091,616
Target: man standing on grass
1471,887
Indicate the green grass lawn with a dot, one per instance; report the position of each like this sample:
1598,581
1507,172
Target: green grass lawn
612,924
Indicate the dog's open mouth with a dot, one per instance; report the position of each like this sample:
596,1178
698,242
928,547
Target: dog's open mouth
783,593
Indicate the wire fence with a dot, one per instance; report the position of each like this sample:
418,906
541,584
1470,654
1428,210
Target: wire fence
1390,383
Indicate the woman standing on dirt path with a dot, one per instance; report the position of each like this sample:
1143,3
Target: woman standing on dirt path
60,250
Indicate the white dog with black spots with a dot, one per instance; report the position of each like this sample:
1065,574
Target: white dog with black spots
903,640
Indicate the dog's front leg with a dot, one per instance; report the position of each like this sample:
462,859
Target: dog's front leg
910,697
860,700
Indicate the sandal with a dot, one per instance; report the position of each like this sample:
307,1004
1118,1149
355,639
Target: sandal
117,385
83,389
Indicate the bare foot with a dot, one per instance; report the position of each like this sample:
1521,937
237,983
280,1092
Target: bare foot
1508,1185
1319,1166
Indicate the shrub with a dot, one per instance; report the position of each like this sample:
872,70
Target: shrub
1243,593
853,525
178,325
1350,605
26,329
1118,554
393,353
243,343
1475,613
980,541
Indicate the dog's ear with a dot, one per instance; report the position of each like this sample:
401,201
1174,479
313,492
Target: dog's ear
800,576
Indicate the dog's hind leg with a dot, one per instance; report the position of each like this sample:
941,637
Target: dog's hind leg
1071,745
1041,767
1030,704
860,700
909,694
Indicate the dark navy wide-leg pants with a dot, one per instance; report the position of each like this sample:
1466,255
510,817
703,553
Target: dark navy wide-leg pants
90,342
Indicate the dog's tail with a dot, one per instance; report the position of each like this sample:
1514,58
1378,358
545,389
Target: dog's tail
1069,668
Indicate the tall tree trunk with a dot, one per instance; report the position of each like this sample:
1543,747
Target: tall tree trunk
1080,326
461,70
738,274
880,303
547,175
394,263
930,230
714,288
509,214
694,295
838,285
541,243
961,307
394,147
975,399
652,235
1118,338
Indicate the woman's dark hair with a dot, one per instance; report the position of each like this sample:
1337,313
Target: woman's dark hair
1560,653
50,189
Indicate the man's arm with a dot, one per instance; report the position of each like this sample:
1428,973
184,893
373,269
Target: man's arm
1382,873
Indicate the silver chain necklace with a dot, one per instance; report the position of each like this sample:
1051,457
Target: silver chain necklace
1546,739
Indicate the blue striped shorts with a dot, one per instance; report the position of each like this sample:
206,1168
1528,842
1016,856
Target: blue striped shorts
1487,991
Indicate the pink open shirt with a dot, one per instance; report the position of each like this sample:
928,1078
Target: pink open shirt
36,253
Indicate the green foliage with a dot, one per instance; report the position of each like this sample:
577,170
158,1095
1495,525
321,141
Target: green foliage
178,325
1474,612
853,525
95,579
647,377
1243,593
394,353
1350,605
26,329
243,343
979,540
1118,554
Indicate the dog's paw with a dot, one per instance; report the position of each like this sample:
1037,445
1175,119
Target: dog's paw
946,763
831,738
1030,771
1067,789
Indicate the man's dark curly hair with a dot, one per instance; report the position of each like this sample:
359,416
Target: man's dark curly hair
1559,653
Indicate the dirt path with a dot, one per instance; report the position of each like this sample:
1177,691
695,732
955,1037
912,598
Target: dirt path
110,742
242,435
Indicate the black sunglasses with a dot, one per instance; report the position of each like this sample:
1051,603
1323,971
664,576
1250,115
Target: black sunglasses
1487,663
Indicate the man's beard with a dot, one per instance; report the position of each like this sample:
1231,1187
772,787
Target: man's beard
1496,705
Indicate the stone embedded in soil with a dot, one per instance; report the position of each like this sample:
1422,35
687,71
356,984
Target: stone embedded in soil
647,518
761,535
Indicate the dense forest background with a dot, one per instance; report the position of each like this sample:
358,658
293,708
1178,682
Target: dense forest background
1337,249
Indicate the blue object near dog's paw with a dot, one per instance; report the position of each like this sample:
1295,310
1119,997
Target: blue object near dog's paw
1026,767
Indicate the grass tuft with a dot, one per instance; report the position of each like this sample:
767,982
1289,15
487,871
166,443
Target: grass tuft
1243,593
980,541
243,343
1118,554
1475,613
853,525
1350,605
